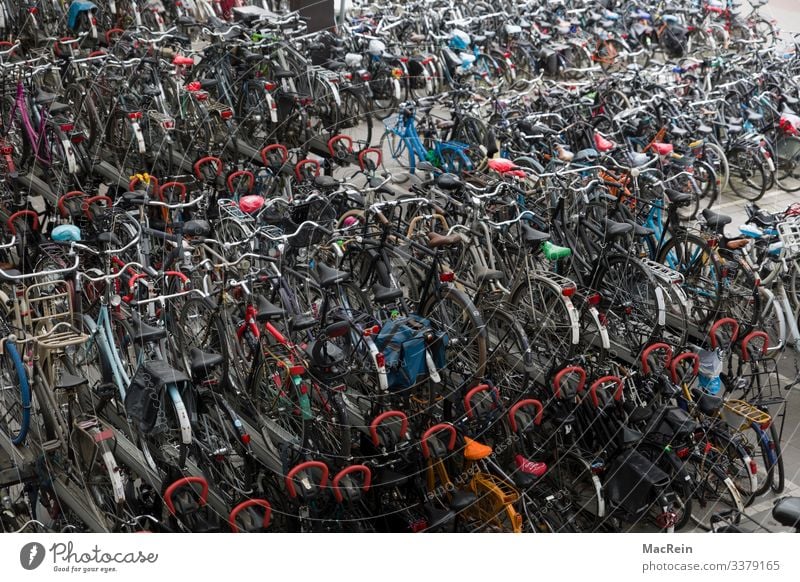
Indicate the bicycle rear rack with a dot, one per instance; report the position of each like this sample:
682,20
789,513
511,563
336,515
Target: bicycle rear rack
50,307
662,272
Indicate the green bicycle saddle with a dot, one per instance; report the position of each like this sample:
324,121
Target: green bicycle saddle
554,252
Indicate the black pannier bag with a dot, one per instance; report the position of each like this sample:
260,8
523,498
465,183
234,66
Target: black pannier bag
147,396
633,483
676,426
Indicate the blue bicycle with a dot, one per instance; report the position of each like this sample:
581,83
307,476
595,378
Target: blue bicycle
408,148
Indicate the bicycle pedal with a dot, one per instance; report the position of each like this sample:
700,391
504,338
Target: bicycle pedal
51,446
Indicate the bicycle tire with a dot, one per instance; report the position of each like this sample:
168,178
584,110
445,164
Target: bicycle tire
15,413
747,177
472,336
787,162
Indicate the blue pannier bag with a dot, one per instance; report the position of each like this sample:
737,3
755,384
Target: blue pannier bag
402,342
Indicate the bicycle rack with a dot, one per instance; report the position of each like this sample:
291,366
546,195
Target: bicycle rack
662,272
54,309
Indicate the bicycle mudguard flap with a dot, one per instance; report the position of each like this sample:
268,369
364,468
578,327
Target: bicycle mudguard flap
146,393
633,483
403,342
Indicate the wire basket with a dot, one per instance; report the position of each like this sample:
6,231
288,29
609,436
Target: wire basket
789,233
740,415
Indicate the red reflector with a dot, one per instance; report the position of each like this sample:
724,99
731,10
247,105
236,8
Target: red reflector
168,124
193,86
753,467
33,10
506,54
201,96
135,115
67,127
226,114
594,299
766,425
365,76
380,360
270,86
297,370
348,76
568,291
77,138
447,277
712,243
246,438
403,59
7,150
94,21
682,453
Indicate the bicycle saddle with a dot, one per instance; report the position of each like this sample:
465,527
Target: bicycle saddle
532,236
268,311
602,144
716,221
639,230
144,333
708,404
787,511
328,276
301,322
202,363
462,499
475,451
484,274
449,182
436,241
251,204
588,155
616,229
384,295
196,228
663,149
325,182
678,131
678,198
68,382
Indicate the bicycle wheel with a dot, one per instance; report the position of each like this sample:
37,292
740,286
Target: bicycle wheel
741,457
220,452
630,294
714,490
691,256
200,327
15,395
707,181
395,148
509,357
548,322
573,476
355,114
777,470
787,173
716,158
747,179
453,313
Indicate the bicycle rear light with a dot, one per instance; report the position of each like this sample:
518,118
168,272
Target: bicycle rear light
447,277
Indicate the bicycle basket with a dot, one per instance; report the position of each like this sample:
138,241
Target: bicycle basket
789,233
